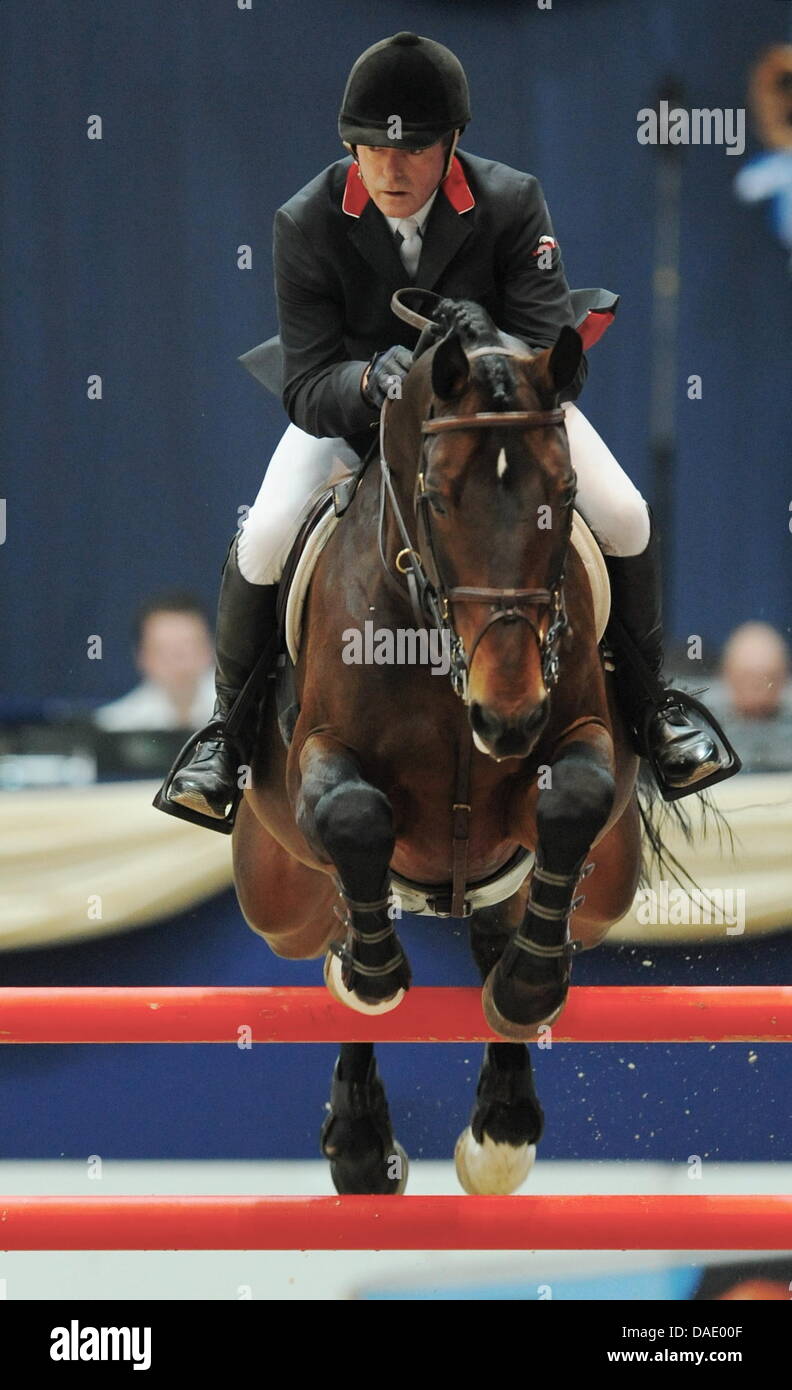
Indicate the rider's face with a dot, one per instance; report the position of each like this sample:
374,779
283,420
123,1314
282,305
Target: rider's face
400,181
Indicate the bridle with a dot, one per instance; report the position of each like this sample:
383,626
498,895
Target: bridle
431,598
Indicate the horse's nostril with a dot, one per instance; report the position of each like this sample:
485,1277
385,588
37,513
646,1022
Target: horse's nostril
536,717
479,719
503,732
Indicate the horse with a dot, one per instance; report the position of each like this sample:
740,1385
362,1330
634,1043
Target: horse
510,773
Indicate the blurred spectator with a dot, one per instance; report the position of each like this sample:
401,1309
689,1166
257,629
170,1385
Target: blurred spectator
753,697
755,665
174,655
768,1280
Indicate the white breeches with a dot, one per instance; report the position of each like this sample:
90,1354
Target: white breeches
302,465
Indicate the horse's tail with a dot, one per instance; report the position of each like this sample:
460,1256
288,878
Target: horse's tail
656,816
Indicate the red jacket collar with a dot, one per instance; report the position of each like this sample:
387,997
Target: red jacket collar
455,187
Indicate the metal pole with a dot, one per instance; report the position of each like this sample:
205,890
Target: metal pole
664,355
594,1014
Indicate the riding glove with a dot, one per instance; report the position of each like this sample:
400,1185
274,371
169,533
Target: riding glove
384,370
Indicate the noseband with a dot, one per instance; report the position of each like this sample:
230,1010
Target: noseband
431,597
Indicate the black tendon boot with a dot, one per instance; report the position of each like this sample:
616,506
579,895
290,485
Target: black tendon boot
356,1135
685,745
528,987
206,787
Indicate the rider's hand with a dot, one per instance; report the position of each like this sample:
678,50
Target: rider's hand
384,369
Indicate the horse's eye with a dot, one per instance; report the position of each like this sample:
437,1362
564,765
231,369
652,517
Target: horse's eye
436,501
570,492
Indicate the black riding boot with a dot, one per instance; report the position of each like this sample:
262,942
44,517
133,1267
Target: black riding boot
685,753
207,787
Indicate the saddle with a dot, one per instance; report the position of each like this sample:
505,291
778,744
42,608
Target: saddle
314,533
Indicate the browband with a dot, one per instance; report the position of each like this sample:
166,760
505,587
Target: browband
524,419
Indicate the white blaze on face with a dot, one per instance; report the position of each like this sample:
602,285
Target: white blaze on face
502,464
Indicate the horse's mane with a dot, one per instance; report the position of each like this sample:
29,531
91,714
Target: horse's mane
476,329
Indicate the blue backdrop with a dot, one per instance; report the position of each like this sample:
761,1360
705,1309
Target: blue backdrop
120,259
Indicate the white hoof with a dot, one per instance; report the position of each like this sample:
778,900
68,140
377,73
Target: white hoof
339,991
490,1169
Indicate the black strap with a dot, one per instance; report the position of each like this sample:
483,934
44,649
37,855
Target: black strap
628,648
460,820
253,687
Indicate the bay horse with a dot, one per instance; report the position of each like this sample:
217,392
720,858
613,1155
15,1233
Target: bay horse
389,771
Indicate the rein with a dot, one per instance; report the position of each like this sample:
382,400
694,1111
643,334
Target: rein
431,599
433,602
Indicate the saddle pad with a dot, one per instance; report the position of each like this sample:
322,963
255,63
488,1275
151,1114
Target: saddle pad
303,574
596,570
582,539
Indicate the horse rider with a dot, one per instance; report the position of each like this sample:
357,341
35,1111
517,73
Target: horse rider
407,206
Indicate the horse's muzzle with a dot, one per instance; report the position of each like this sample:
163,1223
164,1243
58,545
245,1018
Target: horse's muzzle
508,738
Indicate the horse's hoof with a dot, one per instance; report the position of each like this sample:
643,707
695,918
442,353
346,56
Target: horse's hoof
357,1138
401,1162
388,1180
348,997
398,1159
490,1169
525,1031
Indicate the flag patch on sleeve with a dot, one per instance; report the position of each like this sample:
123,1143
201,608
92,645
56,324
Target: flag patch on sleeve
546,243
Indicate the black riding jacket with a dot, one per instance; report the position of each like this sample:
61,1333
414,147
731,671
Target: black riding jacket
337,265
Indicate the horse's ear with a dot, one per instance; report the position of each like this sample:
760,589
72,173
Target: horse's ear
561,361
450,368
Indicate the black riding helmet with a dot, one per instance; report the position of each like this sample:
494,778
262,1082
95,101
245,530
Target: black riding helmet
409,77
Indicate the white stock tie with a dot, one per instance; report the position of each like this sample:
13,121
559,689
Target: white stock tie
408,237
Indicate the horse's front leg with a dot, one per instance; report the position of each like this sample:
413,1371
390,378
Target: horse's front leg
496,1152
529,984
349,823
357,1136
